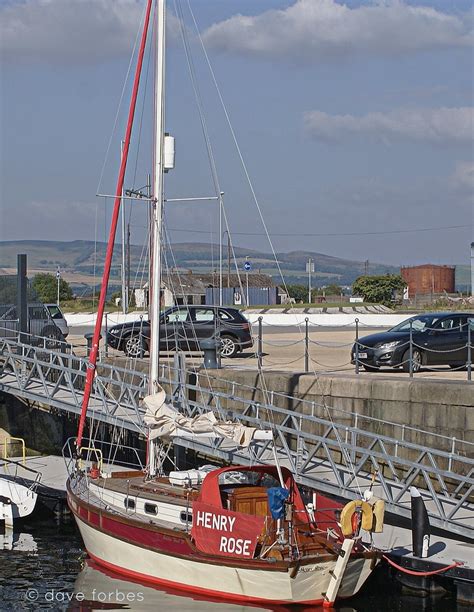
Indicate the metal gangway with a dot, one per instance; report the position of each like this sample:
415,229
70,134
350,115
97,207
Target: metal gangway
336,451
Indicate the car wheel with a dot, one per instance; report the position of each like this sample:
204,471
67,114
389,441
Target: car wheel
369,368
229,346
417,360
133,346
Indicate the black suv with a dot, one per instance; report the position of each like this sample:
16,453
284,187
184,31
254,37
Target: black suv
184,327
438,338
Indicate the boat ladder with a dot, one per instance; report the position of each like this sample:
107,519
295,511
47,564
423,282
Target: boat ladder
337,574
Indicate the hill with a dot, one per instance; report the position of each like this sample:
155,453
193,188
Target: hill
81,262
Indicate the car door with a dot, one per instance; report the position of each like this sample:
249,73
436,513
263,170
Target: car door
176,330
447,341
204,320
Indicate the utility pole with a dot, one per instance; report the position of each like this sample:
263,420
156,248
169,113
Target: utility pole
309,270
366,267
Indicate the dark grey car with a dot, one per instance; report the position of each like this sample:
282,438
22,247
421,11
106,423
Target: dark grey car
184,328
439,338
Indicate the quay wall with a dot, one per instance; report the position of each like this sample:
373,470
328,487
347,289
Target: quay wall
43,430
443,410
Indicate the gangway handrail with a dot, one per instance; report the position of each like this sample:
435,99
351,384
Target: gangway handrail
349,451
106,371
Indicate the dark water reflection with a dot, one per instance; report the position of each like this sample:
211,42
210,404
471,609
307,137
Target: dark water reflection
47,570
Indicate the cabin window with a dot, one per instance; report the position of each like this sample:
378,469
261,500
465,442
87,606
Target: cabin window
186,517
151,509
129,503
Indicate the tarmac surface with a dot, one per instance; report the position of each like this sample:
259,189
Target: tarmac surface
284,349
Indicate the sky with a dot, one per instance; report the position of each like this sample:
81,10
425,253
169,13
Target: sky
355,121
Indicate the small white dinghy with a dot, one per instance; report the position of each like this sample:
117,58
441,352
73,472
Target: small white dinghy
17,495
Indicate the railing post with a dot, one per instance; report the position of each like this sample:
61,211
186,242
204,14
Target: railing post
357,346
306,346
470,323
411,349
260,343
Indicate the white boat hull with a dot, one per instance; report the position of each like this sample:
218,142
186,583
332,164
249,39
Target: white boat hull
308,585
23,499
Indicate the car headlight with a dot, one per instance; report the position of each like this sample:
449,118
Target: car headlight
388,345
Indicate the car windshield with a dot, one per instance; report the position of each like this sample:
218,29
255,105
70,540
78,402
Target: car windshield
55,312
421,323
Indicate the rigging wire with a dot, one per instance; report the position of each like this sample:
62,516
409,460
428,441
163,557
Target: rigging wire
181,286
127,76
344,452
334,234
207,141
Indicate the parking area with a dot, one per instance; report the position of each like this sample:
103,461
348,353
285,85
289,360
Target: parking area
284,350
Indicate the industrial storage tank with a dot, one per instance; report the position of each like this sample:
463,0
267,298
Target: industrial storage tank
429,279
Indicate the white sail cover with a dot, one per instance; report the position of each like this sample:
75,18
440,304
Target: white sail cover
164,421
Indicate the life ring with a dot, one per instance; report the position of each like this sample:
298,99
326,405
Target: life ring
349,517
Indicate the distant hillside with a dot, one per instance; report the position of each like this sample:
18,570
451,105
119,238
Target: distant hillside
79,258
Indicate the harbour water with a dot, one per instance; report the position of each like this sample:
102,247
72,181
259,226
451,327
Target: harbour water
48,570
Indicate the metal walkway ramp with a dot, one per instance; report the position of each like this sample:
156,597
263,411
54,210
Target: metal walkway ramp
314,441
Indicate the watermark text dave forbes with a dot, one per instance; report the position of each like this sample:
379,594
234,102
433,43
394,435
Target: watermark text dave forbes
59,596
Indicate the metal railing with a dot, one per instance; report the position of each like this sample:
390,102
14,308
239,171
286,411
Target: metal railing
325,447
416,357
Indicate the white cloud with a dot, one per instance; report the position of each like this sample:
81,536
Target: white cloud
463,176
60,31
320,28
432,125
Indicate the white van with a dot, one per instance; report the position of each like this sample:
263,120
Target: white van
58,318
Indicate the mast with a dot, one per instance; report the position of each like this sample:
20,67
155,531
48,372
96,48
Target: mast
113,228
157,213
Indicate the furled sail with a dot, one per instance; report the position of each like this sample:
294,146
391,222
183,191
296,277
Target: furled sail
164,421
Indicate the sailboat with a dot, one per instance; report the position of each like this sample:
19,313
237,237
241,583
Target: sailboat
241,533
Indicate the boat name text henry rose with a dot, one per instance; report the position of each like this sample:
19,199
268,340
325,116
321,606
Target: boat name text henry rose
220,522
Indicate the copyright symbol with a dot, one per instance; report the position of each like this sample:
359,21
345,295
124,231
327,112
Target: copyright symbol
32,594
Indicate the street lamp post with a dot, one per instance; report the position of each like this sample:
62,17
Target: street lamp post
247,268
309,270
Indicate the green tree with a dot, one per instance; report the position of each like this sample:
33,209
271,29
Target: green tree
298,292
329,290
46,286
379,289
